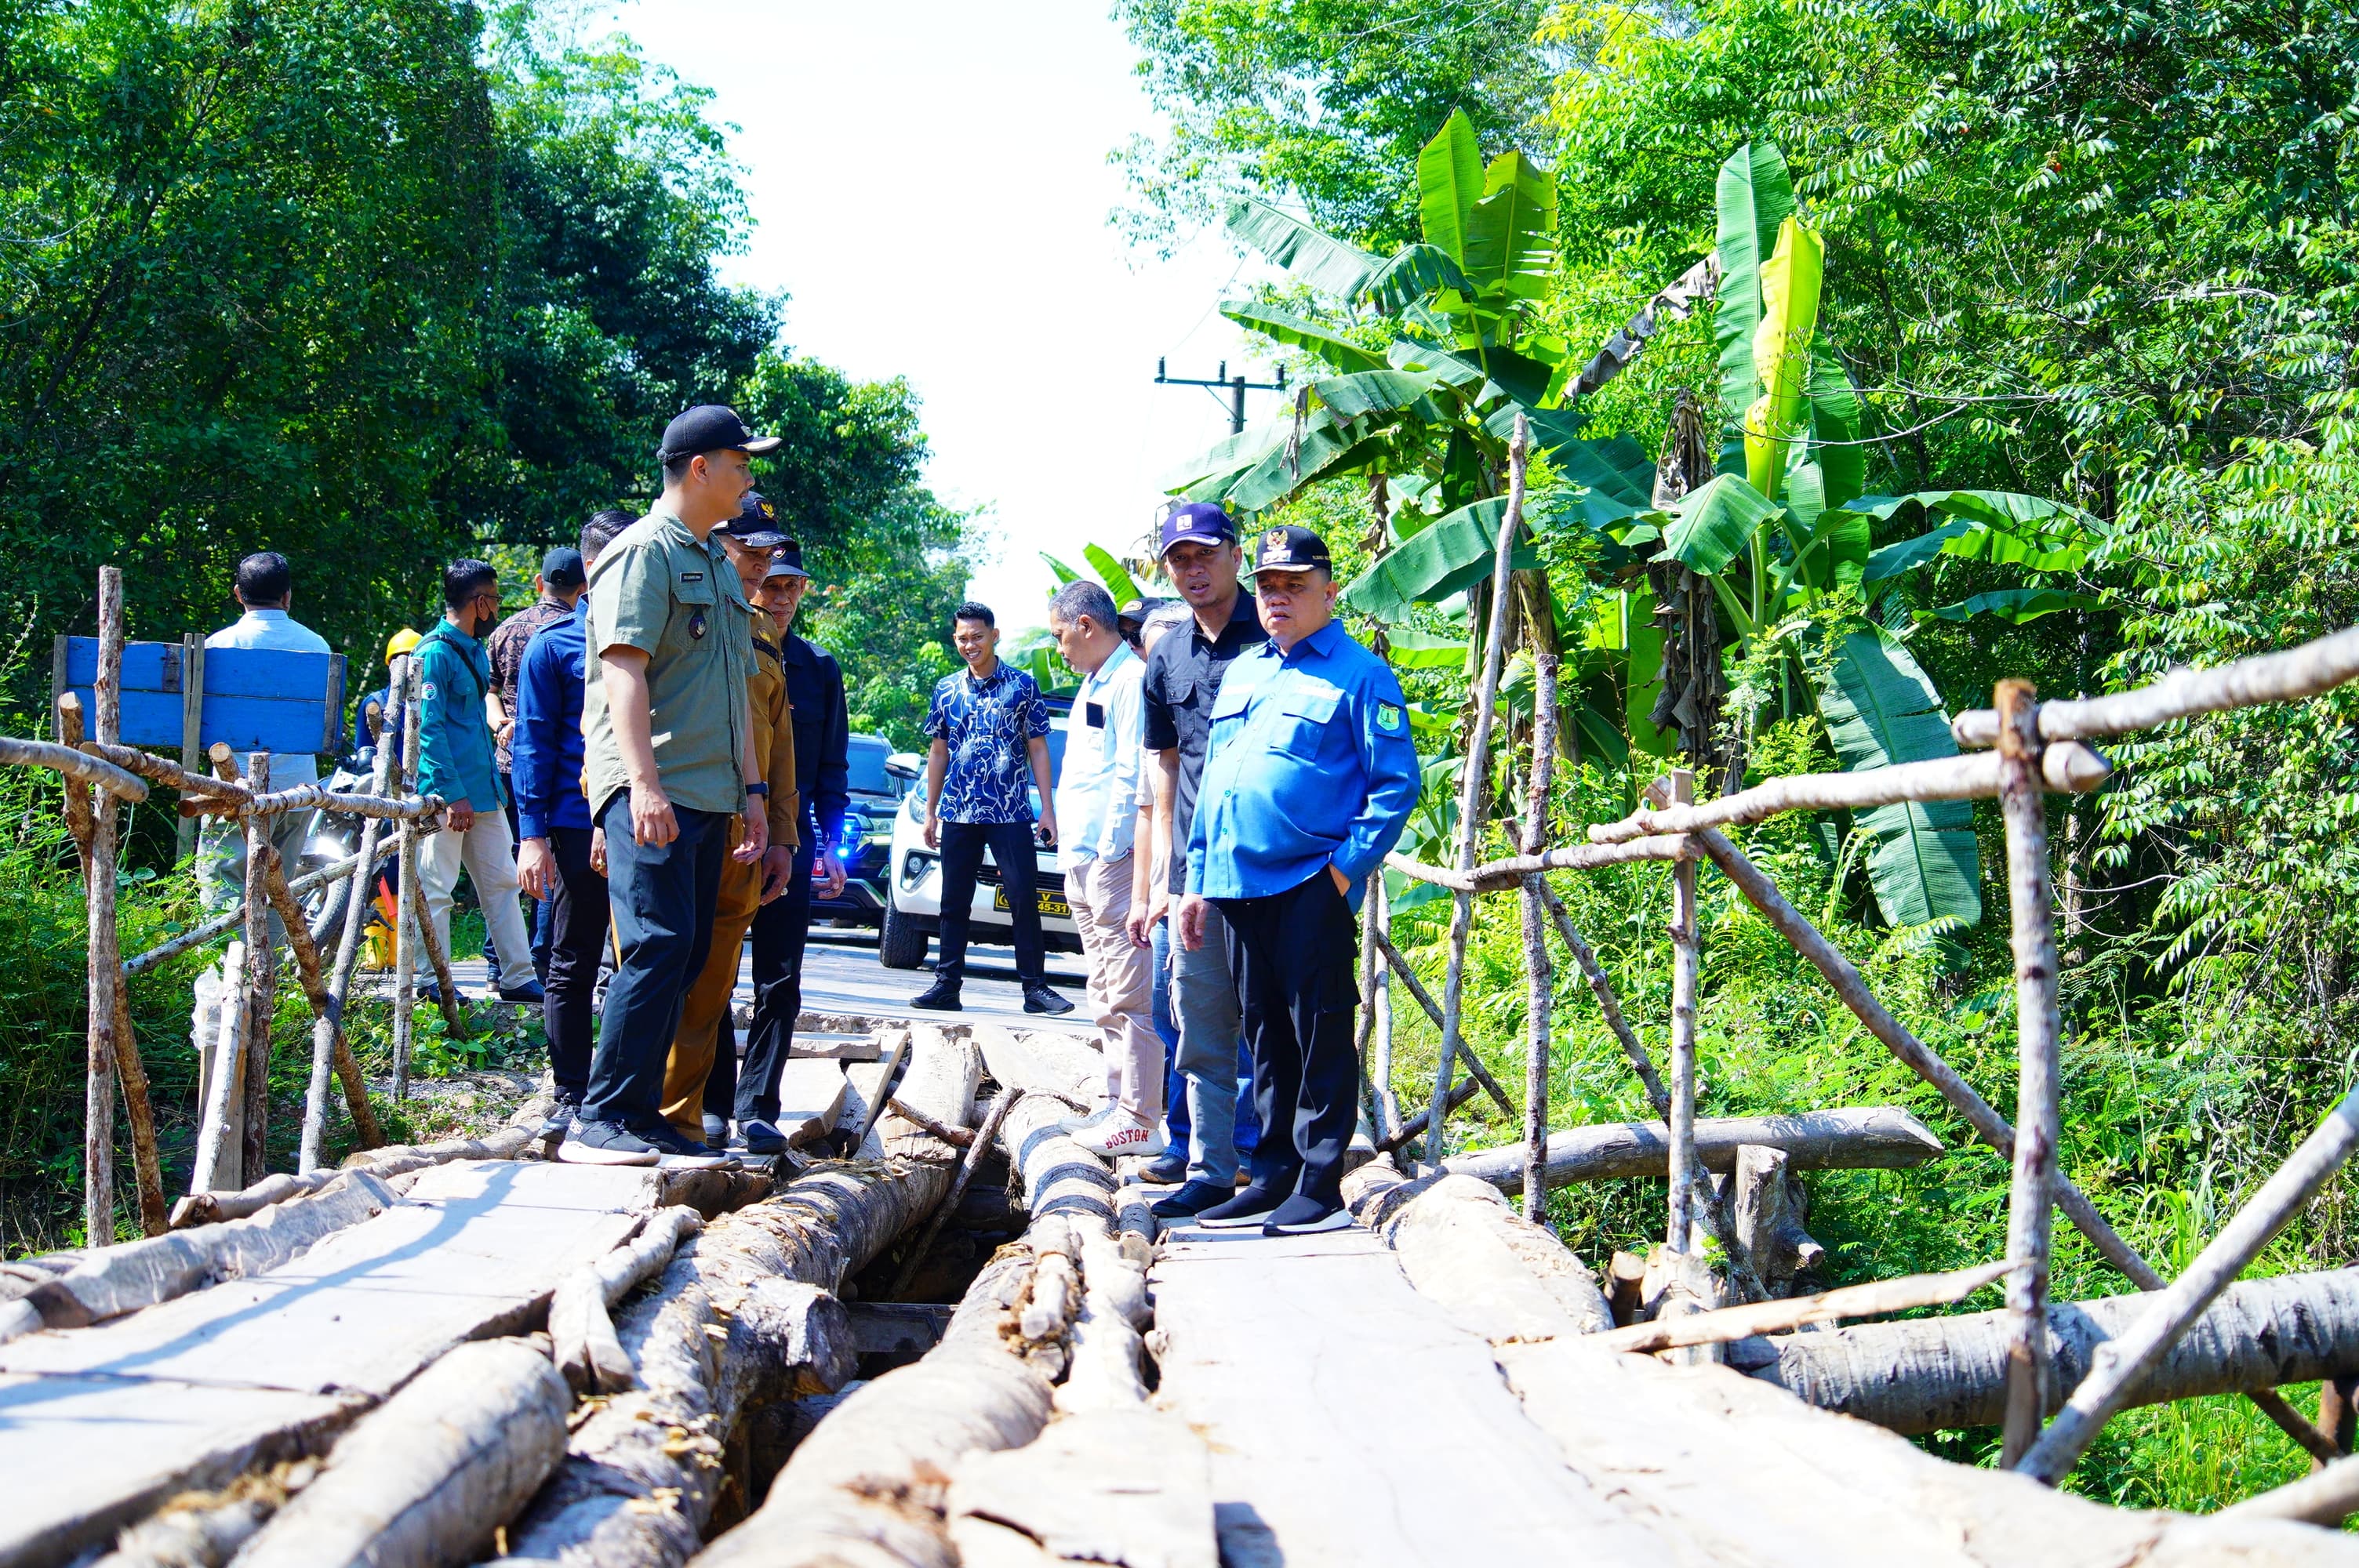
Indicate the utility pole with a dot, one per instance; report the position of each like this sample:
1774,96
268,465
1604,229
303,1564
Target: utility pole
1237,387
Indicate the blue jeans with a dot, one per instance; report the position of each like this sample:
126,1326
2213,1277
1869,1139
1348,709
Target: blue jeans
1197,999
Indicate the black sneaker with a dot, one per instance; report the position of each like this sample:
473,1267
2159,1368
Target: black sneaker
562,1117
943,996
1249,1210
1192,1199
1040,999
676,1151
716,1131
1300,1215
1167,1168
606,1143
762,1137
529,991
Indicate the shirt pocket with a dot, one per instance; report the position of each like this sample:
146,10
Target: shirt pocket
694,626
1302,721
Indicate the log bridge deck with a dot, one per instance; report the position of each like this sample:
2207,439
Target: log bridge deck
463,1353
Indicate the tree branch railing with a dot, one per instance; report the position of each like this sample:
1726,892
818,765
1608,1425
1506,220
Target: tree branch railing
2036,751
100,776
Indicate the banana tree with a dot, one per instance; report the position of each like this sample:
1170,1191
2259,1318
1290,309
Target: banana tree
1783,529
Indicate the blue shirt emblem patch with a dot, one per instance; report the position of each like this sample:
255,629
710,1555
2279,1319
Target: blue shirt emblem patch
1389,718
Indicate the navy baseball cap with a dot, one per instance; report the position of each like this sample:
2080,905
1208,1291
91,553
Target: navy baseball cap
788,562
709,427
561,568
755,526
1287,548
1197,522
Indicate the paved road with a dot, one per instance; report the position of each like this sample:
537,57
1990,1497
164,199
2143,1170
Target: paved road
841,974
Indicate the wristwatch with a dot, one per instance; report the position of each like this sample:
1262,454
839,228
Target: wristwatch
757,789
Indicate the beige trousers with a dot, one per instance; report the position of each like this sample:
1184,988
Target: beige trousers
1121,985
488,854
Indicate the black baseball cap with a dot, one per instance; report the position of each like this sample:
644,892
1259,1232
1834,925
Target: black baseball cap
709,427
788,562
561,568
1197,522
755,526
1287,548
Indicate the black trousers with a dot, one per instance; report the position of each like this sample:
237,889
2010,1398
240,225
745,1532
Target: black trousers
781,928
661,898
577,937
1295,955
1012,850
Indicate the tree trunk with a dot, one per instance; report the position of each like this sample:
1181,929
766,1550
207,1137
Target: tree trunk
1936,1373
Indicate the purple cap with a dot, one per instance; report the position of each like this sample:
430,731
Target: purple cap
1197,522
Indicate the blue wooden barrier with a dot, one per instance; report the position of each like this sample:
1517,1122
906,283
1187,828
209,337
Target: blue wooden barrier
256,700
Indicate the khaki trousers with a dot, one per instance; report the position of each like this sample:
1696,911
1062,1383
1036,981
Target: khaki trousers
1121,985
487,853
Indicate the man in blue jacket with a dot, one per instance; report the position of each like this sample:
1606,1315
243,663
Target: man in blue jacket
553,823
454,761
1309,777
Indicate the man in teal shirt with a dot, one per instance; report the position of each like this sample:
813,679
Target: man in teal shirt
455,761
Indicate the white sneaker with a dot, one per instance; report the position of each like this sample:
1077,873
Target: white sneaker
1079,1120
1123,1136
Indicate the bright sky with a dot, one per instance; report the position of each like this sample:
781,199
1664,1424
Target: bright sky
932,187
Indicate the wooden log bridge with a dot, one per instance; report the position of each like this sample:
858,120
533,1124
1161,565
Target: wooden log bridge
459,1353
968,1340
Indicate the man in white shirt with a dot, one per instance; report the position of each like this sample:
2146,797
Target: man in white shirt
264,588
1097,811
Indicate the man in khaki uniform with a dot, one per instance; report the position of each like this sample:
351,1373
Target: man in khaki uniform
749,537
667,760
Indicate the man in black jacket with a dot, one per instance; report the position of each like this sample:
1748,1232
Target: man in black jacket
822,743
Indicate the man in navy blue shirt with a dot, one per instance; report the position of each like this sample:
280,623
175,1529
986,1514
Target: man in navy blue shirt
1309,777
554,829
990,752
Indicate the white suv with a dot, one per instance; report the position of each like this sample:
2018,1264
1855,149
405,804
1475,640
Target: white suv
913,909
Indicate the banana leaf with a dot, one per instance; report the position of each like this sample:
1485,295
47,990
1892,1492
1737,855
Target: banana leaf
1295,332
1753,196
1113,573
1449,183
1321,260
1642,679
1380,392
1457,552
1414,273
1781,352
1511,232
1065,574
1712,526
1410,649
1503,371
2017,605
1880,708
1998,526
1230,456
1835,424
1326,447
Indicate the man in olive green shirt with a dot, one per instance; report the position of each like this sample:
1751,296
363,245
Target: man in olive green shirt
667,762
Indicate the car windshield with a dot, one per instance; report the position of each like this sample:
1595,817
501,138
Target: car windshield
865,757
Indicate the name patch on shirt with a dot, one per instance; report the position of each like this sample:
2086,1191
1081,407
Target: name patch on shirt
1390,719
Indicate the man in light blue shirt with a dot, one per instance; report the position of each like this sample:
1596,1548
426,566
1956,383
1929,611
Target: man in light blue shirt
264,589
1097,811
1309,777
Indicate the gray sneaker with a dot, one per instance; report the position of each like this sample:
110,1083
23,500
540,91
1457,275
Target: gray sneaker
606,1144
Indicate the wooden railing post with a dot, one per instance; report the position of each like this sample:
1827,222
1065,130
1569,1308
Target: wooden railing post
1474,795
405,903
1686,966
261,980
1539,970
2031,1200
98,1087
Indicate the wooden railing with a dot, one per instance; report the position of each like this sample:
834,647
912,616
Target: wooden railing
2019,750
101,777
